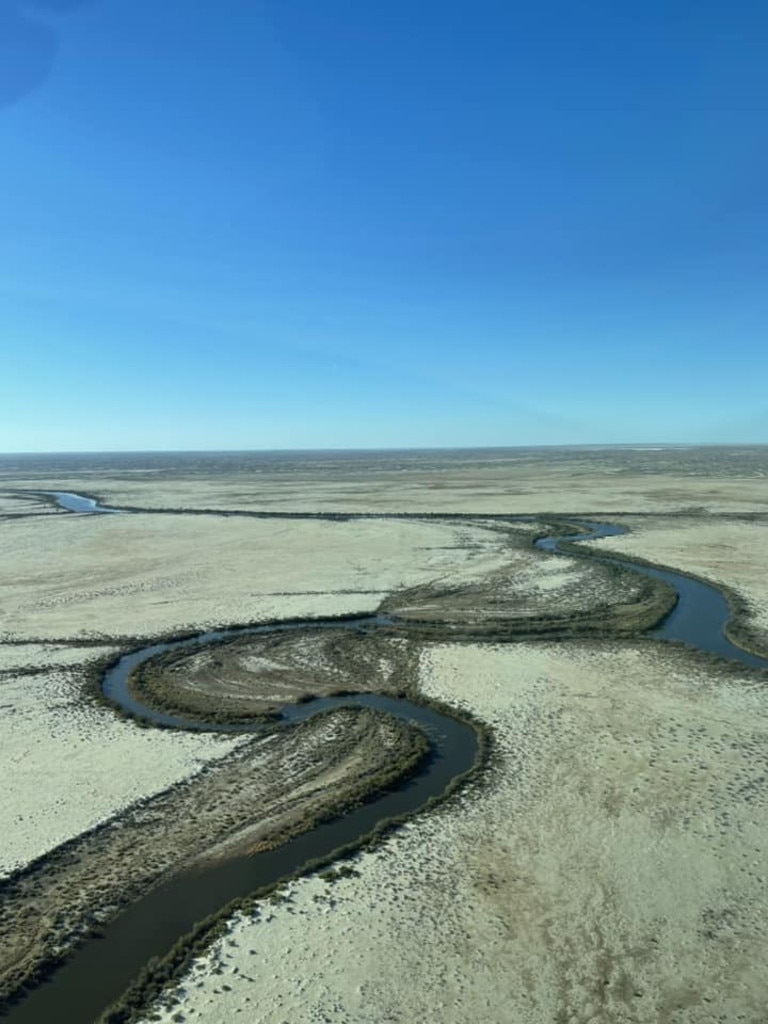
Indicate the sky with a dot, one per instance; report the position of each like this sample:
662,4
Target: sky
234,224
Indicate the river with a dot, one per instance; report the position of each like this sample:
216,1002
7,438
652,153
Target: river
100,970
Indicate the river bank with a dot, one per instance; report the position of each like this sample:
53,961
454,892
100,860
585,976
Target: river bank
611,871
256,799
572,747
726,550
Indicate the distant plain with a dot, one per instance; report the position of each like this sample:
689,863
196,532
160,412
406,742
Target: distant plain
610,867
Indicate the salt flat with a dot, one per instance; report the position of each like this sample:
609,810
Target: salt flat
66,767
610,479
613,868
84,577
69,578
724,550
609,867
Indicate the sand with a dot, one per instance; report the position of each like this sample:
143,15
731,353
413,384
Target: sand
613,870
68,579
67,766
617,479
611,865
81,577
254,799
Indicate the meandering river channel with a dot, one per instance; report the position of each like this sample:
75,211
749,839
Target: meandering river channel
98,972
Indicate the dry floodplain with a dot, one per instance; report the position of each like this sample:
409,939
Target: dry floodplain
610,864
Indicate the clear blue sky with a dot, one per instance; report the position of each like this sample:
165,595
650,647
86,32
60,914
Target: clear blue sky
295,223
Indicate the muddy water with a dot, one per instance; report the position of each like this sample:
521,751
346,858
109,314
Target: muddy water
102,969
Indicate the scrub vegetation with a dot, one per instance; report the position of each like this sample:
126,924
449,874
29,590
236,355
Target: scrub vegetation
247,802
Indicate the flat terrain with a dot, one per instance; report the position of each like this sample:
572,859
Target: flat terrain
637,479
613,869
261,794
727,550
84,578
64,761
610,864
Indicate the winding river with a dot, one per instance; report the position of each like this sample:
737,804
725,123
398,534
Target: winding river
701,613
99,971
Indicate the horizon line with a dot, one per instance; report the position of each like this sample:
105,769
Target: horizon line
648,445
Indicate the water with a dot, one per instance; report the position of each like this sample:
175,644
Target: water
78,503
701,612
102,969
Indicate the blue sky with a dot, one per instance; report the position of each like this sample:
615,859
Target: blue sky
244,224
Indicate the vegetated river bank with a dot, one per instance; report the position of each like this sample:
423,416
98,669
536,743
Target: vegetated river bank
701,613
162,916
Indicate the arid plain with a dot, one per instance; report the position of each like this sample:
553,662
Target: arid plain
609,864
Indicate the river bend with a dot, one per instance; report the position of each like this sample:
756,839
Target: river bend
99,971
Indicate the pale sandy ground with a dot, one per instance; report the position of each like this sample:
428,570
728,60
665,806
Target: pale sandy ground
71,576
40,657
14,506
733,553
66,767
621,846
614,871
555,480
502,492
